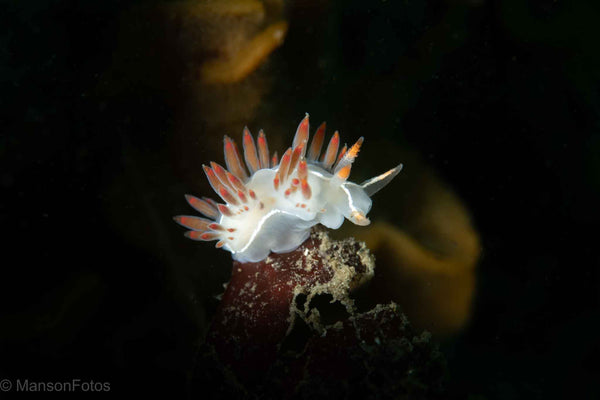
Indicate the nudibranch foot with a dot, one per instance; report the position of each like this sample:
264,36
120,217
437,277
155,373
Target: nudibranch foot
271,206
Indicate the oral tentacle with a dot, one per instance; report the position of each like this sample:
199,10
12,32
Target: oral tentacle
375,184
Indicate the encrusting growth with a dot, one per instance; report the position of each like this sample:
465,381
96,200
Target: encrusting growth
272,336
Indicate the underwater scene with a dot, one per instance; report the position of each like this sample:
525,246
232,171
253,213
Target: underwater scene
300,199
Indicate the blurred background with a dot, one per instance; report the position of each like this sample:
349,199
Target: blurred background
487,238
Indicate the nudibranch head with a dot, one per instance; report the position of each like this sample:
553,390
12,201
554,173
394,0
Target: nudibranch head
273,205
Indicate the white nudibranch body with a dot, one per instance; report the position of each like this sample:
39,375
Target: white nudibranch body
272,208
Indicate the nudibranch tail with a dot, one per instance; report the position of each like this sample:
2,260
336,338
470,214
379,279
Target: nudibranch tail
271,204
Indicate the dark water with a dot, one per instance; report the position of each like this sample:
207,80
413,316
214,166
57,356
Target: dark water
500,98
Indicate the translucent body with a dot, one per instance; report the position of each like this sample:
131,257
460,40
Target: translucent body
284,222
270,204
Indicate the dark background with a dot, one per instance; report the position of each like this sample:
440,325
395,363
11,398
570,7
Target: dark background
502,98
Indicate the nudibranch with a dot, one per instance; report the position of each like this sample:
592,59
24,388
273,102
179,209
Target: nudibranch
272,206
